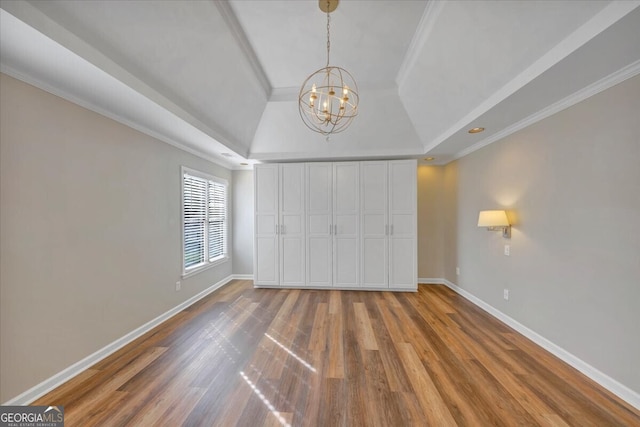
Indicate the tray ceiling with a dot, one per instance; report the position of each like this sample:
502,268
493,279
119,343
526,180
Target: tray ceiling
219,77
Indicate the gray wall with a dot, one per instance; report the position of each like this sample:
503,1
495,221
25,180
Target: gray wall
431,217
243,222
571,185
90,233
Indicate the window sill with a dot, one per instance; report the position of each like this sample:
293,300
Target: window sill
199,269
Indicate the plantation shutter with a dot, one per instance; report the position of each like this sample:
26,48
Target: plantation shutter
195,215
204,213
217,219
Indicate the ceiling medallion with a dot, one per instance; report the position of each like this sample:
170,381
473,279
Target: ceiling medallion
328,99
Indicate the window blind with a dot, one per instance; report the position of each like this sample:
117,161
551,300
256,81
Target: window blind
217,221
204,205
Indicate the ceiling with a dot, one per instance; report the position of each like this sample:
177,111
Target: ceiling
220,78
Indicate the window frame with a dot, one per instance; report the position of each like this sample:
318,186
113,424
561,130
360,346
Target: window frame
207,263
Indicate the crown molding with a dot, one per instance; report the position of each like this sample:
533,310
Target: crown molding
5,69
284,94
240,36
428,20
355,155
590,29
605,83
32,18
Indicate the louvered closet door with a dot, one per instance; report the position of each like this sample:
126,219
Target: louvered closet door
291,230
319,224
346,228
266,249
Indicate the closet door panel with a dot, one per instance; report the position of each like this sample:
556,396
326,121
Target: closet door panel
403,274
403,267
373,214
266,247
346,219
292,216
319,238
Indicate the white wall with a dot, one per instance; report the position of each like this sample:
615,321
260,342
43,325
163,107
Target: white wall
90,233
571,185
243,222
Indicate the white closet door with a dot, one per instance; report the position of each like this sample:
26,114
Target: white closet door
319,225
266,247
346,220
374,226
291,230
403,227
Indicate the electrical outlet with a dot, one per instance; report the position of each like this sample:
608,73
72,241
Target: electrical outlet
457,271
507,250
506,294
178,286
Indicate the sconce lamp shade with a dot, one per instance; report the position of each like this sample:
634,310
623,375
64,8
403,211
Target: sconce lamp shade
493,219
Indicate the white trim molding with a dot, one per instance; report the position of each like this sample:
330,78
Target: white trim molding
605,83
65,375
420,37
430,281
242,276
623,392
230,18
609,15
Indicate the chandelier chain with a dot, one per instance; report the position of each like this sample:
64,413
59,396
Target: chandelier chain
328,33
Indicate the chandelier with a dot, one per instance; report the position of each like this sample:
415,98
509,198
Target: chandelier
328,99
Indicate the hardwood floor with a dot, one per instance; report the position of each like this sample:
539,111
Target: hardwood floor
270,357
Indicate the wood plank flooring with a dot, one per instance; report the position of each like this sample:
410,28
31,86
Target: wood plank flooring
271,357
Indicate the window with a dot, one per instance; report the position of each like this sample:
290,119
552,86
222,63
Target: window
204,220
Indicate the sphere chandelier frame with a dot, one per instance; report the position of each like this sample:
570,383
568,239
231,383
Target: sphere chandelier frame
328,99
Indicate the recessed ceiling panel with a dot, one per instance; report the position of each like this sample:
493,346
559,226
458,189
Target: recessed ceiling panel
368,38
475,48
183,49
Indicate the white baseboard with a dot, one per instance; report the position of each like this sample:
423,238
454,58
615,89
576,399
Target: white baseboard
430,281
341,288
65,375
242,276
620,390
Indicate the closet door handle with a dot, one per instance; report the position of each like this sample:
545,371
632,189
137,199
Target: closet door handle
391,230
335,229
330,227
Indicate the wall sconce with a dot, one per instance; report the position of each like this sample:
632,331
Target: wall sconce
495,220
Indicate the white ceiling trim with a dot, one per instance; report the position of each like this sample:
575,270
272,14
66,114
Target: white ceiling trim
220,161
613,79
429,17
344,155
241,38
42,24
284,94
604,19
